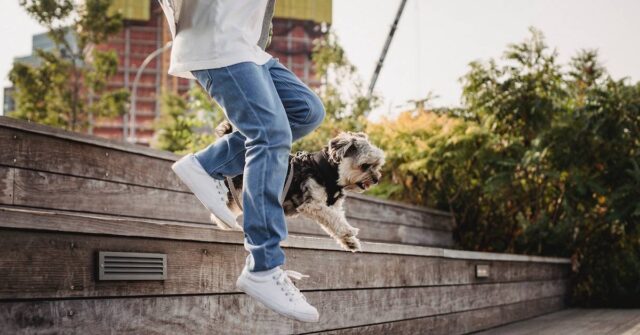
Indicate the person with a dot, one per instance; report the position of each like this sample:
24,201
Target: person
221,44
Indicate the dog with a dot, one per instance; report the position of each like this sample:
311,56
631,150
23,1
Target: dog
348,163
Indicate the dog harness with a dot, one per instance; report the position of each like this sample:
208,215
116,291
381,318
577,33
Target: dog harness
238,199
329,174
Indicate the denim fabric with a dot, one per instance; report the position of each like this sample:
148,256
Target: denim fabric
270,108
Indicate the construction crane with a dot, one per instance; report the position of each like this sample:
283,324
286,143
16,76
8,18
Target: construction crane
372,85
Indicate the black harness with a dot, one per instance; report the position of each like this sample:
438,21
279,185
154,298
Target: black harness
237,198
328,175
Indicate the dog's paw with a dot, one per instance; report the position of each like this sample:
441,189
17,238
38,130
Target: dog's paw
352,231
351,243
223,226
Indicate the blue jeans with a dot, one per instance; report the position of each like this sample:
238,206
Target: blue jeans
270,108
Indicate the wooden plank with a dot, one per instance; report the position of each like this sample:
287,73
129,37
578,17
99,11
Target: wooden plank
460,322
575,322
52,154
239,314
62,221
37,147
45,265
110,165
6,185
41,148
31,128
633,330
377,210
379,231
55,191
369,198
458,271
35,128
465,254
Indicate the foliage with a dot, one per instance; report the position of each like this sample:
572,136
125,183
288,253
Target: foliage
544,160
56,92
342,92
186,123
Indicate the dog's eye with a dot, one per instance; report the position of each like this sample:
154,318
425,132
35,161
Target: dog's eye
365,166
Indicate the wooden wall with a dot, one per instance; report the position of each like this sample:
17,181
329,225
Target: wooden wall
42,167
48,266
65,197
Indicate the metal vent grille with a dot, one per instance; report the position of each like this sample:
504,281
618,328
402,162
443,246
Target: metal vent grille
131,266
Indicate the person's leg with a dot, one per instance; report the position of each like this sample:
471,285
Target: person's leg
251,103
305,112
304,108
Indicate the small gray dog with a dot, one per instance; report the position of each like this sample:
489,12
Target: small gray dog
348,163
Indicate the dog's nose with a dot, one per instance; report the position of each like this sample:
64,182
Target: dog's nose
375,179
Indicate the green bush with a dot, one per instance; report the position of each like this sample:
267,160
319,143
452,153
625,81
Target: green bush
543,159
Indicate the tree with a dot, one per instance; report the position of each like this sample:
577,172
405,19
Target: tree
544,159
342,93
58,90
187,123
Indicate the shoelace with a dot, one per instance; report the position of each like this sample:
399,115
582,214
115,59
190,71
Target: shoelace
219,188
284,280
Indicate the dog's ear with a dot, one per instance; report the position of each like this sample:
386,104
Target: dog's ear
342,146
359,134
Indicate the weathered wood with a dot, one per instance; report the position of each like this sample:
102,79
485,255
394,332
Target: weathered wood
13,127
576,322
56,191
238,314
368,198
377,210
6,185
46,265
44,149
460,322
379,232
32,127
66,196
634,330
53,154
459,271
61,221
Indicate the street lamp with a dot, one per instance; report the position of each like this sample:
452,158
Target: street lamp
134,90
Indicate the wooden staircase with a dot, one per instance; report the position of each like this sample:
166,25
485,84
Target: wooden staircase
65,197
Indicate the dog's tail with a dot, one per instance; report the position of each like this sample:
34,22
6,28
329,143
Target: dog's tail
223,128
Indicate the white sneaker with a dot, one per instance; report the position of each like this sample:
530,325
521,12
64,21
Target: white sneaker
277,292
211,192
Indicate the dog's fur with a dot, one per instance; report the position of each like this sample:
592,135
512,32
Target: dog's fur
349,162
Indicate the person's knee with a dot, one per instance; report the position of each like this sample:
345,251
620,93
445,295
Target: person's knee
280,137
270,137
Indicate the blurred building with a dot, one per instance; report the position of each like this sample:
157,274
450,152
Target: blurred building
297,23
8,103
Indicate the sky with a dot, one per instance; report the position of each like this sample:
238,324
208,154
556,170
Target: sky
436,39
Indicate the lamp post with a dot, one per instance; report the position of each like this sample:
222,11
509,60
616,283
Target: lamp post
134,90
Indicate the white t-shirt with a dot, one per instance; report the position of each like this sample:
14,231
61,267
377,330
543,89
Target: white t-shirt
209,34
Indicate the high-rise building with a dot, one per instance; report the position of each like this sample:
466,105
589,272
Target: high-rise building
296,25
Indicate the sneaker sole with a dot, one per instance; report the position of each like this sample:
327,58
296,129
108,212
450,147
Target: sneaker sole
183,174
262,300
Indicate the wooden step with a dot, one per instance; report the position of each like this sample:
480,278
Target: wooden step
66,197
48,168
48,265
